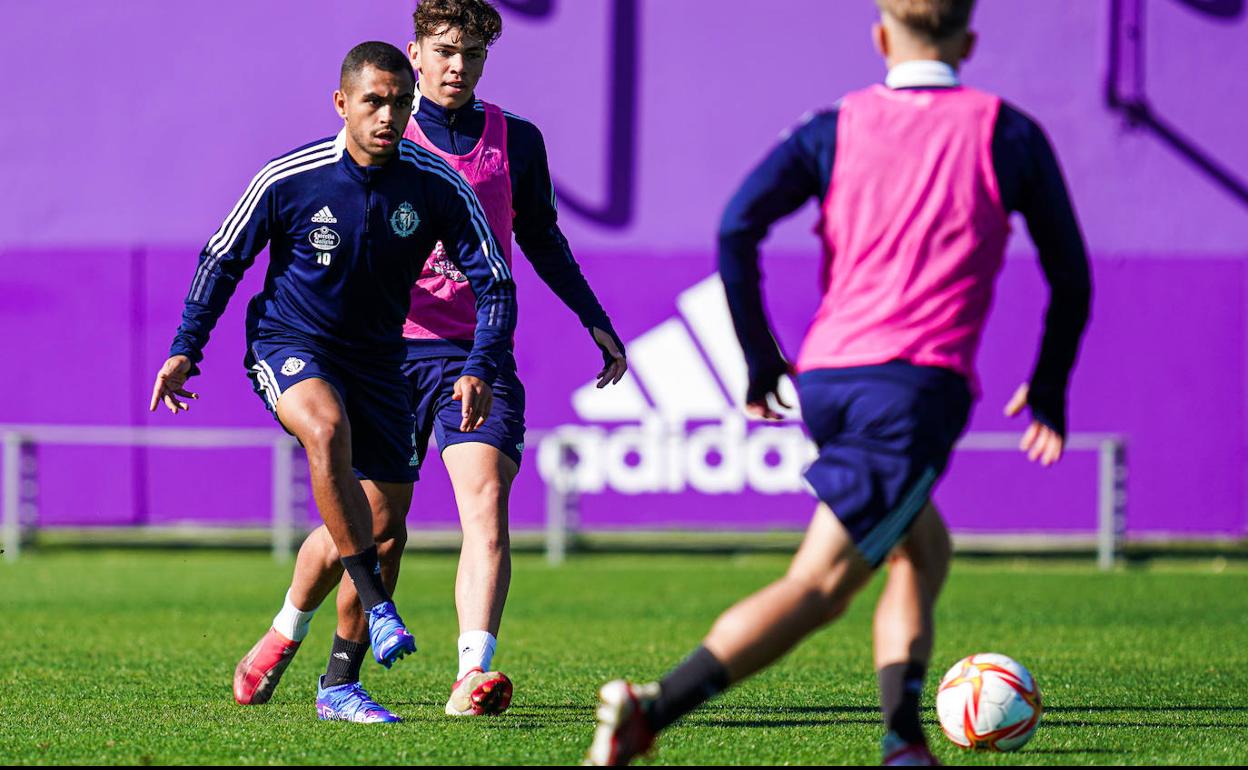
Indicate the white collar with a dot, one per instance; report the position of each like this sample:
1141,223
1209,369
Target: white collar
925,73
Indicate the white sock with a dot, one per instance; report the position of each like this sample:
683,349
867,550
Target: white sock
476,650
292,622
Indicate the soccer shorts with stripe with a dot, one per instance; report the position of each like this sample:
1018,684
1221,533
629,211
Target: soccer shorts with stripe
884,434
372,389
432,384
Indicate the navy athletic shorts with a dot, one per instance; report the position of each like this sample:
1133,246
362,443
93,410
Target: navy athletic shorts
884,434
373,391
431,382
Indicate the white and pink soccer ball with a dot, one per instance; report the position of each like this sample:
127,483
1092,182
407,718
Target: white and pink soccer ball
988,701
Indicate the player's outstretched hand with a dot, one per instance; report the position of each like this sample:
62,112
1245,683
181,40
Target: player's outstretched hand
171,383
476,399
614,363
758,398
1040,442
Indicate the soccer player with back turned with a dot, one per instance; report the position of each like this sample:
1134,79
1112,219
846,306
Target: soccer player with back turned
915,180
348,221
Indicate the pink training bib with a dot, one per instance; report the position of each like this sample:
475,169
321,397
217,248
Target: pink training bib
443,304
913,231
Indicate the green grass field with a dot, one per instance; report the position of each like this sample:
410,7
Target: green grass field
124,657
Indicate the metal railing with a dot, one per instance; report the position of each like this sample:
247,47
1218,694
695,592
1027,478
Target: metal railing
19,471
19,474
562,497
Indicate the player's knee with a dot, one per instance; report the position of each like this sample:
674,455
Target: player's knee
390,544
928,552
327,441
390,529
832,601
493,540
829,592
485,498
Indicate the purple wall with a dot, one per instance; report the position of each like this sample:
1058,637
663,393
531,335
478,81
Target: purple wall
165,118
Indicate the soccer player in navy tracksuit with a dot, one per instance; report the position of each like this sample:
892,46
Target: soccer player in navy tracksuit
915,180
503,157
349,221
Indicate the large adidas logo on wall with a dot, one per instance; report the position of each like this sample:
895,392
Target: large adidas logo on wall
680,405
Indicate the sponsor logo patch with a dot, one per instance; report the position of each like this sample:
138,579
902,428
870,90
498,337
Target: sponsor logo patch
324,239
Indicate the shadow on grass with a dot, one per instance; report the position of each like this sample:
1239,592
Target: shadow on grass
1025,752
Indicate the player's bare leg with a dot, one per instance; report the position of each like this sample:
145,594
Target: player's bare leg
917,570
757,631
904,633
482,477
314,413
340,694
389,504
317,570
312,410
824,576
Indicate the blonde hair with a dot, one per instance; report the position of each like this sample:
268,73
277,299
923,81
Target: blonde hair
932,19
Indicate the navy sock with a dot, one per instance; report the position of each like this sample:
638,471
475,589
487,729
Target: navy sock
344,662
365,573
901,693
689,685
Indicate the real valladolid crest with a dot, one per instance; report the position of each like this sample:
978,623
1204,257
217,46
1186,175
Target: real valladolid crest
690,433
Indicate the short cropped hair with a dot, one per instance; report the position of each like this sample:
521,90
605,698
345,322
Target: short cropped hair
474,18
376,54
933,19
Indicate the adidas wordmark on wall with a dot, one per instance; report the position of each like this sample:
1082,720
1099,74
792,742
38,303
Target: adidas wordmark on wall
676,422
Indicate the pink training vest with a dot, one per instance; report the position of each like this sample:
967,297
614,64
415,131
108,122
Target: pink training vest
913,231
443,304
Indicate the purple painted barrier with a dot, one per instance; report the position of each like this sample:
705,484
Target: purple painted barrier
1163,364
651,117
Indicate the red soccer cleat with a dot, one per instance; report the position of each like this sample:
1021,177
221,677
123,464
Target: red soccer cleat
257,674
480,693
623,732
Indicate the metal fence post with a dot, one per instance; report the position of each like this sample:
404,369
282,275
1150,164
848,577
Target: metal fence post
560,500
283,499
12,495
1111,502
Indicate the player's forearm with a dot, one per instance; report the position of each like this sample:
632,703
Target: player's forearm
496,325
553,261
738,269
1065,320
200,316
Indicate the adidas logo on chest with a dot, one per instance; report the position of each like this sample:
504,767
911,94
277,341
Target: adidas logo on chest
324,216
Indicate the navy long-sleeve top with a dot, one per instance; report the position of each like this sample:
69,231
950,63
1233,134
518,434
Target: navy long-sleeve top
346,242
800,169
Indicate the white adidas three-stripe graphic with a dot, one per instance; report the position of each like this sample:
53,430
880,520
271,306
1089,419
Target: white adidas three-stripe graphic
322,154
324,217
268,383
698,376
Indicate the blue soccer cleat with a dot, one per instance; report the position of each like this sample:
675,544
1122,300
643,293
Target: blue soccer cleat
349,703
389,638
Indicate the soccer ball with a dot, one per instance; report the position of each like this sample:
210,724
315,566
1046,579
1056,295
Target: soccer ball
988,701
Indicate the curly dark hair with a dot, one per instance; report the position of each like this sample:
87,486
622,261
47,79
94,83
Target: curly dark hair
475,18
933,19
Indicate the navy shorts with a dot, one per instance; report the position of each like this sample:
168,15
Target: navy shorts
432,385
374,393
884,435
